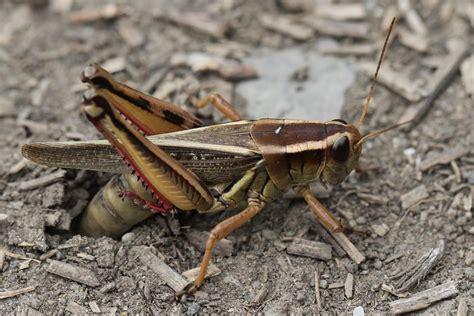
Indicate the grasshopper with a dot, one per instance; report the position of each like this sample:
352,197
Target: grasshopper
168,160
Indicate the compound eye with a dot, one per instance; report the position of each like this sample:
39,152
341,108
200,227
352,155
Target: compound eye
341,149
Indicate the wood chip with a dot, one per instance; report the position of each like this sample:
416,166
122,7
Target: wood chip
198,239
424,299
12,293
76,309
48,254
349,286
17,256
351,11
412,18
2,259
438,83
226,68
42,181
286,26
336,285
413,275
463,309
19,166
72,272
130,33
192,274
172,278
394,80
107,12
317,290
260,296
349,49
114,65
85,256
413,40
467,74
336,28
414,196
444,157
309,248
94,307
372,198
199,22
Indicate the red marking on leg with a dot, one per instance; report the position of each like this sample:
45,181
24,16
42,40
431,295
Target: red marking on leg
161,208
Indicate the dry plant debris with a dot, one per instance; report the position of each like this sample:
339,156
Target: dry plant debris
72,272
414,274
424,299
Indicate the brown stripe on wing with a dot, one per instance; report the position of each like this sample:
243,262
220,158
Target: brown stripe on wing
164,175
145,111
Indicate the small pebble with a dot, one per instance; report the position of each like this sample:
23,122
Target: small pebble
409,152
300,298
377,264
358,311
193,309
469,258
128,237
323,284
361,220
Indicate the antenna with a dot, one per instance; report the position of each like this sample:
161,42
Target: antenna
375,133
374,79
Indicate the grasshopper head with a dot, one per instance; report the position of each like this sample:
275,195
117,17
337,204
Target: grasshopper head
342,156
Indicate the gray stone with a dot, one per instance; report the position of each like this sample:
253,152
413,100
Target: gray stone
276,93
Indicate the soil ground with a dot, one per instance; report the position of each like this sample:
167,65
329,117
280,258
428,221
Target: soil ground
43,49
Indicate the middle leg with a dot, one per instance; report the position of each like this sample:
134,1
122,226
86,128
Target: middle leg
221,104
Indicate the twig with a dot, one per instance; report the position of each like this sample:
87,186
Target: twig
317,289
164,271
444,157
415,273
192,274
441,79
336,28
395,81
352,11
414,196
75,273
199,22
463,310
308,248
42,181
424,299
259,297
7,294
349,285
284,25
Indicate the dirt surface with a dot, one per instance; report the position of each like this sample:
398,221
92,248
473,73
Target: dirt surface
43,49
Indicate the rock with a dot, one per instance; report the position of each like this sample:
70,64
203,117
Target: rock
276,94
323,284
358,311
128,237
193,309
300,297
